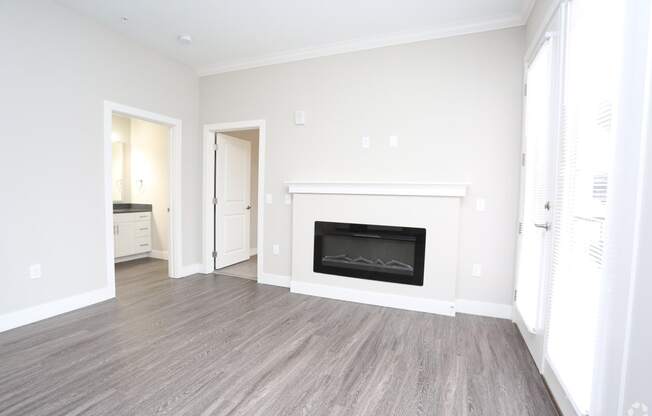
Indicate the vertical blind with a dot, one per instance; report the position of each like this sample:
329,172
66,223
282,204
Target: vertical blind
581,194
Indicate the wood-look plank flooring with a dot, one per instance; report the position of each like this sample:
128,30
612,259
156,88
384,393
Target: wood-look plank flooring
217,345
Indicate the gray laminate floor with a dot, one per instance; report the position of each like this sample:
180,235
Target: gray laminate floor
215,345
246,269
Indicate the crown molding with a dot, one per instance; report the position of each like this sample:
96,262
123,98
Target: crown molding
527,10
366,44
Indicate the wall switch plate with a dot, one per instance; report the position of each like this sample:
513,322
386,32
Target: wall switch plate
288,199
300,118
476,271
268,198
480,204
276,249
366,142
35,271
393,141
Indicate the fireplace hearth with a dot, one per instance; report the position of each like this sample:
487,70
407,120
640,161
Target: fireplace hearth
373,252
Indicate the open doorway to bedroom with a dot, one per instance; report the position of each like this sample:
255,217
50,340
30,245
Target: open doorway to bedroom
236,195
234,156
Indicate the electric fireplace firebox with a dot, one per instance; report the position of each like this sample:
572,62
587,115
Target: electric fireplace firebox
373,252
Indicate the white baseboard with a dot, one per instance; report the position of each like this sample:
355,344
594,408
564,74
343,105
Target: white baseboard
57,307
274,280
132,257
253,251
191,269
557,391
439,307
158,254
473,307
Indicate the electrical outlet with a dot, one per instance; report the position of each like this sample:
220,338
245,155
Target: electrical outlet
288,199
480,204
300,118
268,199
366,142
393,141
476,271
35,271
276,249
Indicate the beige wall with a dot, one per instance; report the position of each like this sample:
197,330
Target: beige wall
252,137
53,84
454,103
149,147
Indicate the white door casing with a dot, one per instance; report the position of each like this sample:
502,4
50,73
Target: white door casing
233,193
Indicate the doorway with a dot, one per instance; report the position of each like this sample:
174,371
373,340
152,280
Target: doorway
540,132
142,188
233,196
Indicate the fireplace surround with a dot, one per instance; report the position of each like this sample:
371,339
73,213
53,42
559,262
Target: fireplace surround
373,252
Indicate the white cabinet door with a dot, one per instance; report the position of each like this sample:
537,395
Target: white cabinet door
124,239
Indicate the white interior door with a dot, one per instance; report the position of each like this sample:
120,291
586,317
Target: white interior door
536,193
233,193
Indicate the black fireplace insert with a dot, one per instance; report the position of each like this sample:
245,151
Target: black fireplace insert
373,252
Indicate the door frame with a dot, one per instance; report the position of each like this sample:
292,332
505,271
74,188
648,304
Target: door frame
208,227
552,31
175,269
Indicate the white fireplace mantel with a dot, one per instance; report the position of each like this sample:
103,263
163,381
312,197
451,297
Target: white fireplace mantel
432,189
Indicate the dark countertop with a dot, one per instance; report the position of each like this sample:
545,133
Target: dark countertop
123,208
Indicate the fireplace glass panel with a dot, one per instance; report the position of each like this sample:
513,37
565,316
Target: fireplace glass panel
374,252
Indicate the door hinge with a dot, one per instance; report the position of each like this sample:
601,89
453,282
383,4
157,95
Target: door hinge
215,147
525,90
520,227
214,201
515,295
214,254
523,159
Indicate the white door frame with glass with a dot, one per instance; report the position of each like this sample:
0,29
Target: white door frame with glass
559,270
540,129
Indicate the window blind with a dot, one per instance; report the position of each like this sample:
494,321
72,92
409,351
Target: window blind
581,194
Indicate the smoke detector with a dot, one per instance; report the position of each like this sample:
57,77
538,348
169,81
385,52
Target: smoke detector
184,39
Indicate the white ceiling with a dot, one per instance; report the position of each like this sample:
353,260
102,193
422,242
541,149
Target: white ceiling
236,34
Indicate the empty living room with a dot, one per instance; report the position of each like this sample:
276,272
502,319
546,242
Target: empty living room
362,207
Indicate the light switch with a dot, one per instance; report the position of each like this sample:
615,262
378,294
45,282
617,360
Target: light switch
393,141
366,142
288,199
300,118
268,198
480,204
35,271
276,249
476,270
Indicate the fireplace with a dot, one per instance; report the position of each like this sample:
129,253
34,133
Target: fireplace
373,252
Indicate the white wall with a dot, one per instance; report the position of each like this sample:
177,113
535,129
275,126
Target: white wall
57,69
454,103
149,149
252,137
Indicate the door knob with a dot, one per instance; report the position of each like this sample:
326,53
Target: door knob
248,207
545,226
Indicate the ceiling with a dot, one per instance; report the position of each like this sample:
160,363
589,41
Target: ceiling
235,34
